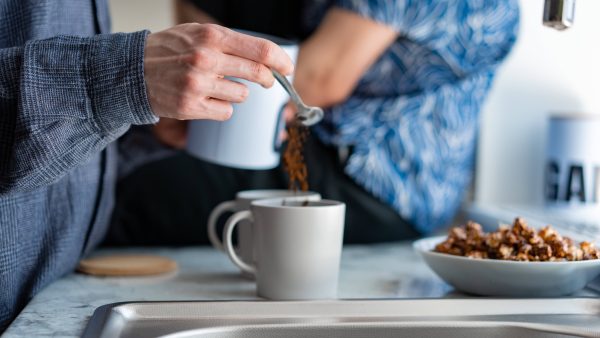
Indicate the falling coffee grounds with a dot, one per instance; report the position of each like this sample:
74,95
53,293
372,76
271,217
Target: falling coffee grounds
293,158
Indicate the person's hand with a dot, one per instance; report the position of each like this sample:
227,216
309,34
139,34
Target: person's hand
185,66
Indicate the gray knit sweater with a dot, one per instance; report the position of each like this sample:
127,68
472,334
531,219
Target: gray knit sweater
66,94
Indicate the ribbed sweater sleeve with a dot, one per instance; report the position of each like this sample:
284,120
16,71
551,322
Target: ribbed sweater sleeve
64,99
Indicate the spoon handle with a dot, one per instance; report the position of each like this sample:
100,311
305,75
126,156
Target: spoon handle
288,88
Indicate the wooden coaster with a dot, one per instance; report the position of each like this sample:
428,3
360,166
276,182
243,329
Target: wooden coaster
126,265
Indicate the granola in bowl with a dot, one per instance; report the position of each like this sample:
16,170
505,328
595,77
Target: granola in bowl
518,242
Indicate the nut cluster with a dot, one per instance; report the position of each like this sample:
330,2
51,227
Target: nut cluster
517,243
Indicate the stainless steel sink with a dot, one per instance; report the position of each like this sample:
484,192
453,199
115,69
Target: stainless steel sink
471,317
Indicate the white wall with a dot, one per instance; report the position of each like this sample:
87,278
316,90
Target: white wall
548,71
134,15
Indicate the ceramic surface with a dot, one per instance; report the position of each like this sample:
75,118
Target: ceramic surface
491,277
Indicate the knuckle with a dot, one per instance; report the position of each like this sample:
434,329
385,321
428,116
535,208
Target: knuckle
265,51
202,59
210,34
255,70
197,57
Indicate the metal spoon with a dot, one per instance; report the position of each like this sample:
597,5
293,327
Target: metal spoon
306,115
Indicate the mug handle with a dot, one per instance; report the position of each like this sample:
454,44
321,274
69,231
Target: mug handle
213,237
228,241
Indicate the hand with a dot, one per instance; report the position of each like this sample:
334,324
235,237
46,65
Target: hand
172,133
185,66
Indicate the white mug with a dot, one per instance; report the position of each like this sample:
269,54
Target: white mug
298,247
250,138
242,202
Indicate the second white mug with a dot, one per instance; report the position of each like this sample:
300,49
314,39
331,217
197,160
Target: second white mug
242,202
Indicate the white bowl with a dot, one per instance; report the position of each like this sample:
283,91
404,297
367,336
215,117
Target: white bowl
492,277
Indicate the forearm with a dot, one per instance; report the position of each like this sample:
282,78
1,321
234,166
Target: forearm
63,100
332,61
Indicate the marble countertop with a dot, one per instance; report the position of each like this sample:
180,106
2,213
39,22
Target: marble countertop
62,309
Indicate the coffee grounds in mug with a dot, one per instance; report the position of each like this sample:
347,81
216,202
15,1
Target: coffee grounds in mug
305,203
293,158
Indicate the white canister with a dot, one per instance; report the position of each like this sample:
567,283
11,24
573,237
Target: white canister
572,178
250,138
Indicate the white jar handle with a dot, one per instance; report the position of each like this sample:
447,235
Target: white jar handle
228,240
213,237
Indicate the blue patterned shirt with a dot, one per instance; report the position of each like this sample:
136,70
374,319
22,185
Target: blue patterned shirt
412,121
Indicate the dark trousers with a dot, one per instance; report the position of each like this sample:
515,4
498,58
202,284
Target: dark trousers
168,202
